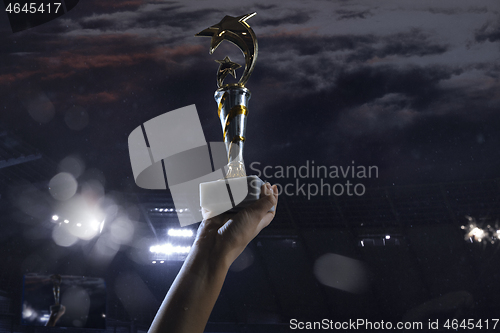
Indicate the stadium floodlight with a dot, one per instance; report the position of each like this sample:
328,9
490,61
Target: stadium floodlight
180,232
169,249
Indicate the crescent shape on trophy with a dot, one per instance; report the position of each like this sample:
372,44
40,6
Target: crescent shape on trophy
237,31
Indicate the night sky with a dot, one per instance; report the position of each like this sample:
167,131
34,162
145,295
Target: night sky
408,86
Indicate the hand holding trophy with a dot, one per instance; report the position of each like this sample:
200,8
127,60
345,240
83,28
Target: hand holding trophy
221,238
232,101
57,310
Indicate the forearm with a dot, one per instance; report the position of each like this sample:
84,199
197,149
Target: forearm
56,312
192,296
219,241
52,321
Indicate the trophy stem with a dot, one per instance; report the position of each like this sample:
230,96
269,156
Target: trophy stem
232,101
56,281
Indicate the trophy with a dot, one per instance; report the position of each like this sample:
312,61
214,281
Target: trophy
56,310
56,281
232,102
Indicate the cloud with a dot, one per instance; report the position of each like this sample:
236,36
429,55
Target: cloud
353,14
412,43
265,7
404,44
305,62
128,4
170,16
152,16
343,84
9,78
377,116
101,97
446,11
364,103
97,24
80,61
296,18
310,44
458,10
368,83
488,32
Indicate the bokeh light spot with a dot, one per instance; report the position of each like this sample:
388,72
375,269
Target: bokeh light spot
122,230
63,237
342,273
39,106
105,249
63,186
77,303
73,165
76,118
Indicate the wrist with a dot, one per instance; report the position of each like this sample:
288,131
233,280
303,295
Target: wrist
210,261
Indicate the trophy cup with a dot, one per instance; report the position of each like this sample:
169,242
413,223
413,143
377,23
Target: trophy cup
232,101
56,310
56,281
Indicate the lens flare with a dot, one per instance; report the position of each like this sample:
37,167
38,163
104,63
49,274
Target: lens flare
73,165
122,230
342,273
63,186
63,237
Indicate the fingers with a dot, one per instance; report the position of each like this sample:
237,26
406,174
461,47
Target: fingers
256,216
268,199
211,225
247,223
214,222
266,220
231,233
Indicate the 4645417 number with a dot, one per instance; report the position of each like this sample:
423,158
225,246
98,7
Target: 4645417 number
470,324
33,8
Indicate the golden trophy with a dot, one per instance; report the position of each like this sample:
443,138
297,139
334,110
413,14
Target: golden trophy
232,102
56,310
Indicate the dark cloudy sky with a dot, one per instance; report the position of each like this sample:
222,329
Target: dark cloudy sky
409,86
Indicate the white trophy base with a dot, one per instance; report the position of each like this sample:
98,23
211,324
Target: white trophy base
229,195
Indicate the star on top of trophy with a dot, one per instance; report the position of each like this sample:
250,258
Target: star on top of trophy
228,25
226,67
